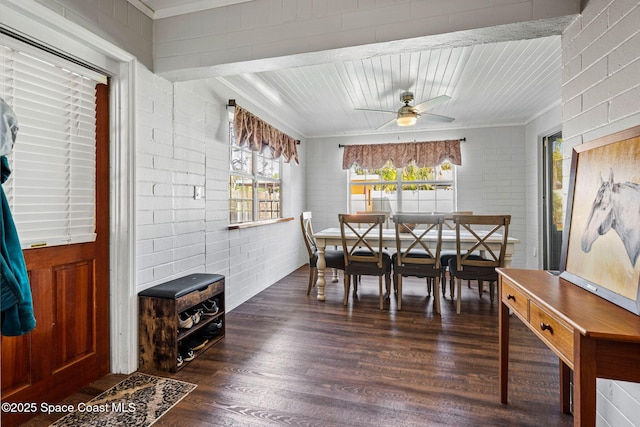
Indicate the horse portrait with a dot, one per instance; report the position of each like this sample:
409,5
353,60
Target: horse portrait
601,247
616,207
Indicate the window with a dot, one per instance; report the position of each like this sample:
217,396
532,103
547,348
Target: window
254,184
51,190
408,189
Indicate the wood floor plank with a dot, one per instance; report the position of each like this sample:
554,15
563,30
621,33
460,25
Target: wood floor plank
288,359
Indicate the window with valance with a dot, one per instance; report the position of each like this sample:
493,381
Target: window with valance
402,177
255,178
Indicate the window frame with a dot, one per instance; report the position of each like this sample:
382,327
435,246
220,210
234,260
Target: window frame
399,183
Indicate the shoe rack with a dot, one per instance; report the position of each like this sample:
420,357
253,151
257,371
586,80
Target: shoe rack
160,335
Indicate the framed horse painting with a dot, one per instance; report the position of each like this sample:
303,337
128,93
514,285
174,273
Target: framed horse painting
601,251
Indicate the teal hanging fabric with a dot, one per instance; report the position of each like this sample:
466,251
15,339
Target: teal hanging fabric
16,304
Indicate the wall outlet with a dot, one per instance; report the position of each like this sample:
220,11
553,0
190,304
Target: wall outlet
198,192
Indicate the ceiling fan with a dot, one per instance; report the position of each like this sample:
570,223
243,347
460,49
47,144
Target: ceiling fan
407,115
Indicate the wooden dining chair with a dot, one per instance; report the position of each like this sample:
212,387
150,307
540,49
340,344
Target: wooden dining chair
486,234
334,258
414,255
446,255
365,257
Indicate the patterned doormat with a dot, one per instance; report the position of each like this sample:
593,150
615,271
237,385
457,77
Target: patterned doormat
138,400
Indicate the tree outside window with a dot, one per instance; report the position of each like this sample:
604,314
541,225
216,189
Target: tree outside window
408,189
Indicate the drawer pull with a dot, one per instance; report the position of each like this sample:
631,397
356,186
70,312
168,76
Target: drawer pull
511,297
546,327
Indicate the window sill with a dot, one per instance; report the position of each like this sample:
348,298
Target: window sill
258,223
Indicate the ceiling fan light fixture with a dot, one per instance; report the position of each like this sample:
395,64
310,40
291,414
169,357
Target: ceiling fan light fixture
407,119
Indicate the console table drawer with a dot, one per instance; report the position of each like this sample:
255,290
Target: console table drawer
515,299
558,336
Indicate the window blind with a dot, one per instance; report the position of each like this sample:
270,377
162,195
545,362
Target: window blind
51,190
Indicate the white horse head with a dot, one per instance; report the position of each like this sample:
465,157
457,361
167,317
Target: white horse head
601,217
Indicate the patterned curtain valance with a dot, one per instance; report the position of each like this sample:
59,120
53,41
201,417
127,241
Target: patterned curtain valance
430,153
258,135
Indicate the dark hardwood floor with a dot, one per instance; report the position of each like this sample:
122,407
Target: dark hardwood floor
288,359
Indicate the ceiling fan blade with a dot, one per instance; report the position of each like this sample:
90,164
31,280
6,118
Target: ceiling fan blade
375,111
384,125
426,105
437,118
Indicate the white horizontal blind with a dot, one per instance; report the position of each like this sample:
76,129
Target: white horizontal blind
51,189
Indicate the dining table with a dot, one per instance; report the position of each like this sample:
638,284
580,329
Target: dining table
332,237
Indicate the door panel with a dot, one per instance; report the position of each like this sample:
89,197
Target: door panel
69,348
74,312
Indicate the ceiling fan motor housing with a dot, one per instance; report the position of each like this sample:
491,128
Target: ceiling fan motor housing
406,97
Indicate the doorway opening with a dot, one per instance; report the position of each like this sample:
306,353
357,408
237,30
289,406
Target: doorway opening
552,200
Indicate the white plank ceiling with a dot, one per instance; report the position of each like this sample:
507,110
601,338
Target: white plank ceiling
491,84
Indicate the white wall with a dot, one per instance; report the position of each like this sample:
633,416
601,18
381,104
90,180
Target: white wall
182,142
601,95
491,179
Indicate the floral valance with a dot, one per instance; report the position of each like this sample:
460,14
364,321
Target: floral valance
259,135
430,153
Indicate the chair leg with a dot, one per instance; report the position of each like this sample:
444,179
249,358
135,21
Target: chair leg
395,283
381,294
399,290
459,300
443,281
429,285
452,279
492,291
312,278
436,293
480,288
347,285
334,275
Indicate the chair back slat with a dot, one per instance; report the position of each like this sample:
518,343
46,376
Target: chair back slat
387,215
482,231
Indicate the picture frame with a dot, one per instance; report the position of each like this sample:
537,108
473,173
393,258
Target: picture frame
601,242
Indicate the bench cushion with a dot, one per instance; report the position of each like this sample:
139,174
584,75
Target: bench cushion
182,286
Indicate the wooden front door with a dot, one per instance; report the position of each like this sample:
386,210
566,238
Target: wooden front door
69,348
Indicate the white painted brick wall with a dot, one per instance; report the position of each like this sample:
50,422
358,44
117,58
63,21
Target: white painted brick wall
601,93
182,142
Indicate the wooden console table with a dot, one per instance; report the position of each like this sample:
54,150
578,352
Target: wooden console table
591,336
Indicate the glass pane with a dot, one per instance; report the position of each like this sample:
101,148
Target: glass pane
556,183
241,159
267,167
427,198
268,200
240,199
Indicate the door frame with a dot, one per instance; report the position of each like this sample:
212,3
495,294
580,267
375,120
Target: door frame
41,23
